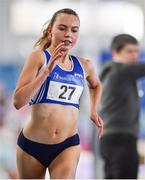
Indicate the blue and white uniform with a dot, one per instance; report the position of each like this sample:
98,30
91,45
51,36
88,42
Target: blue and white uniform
61,86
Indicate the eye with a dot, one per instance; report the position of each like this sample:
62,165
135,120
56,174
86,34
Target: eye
61,28
74,30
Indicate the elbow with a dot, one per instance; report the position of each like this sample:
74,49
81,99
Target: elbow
17,106
16,103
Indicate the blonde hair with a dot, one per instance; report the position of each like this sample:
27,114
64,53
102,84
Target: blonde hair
45,40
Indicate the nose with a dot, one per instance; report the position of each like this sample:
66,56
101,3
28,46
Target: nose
68,33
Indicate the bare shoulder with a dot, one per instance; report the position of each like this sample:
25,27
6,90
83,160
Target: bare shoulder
36,57
87,65
30,69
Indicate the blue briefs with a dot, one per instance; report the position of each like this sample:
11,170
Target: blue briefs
45,153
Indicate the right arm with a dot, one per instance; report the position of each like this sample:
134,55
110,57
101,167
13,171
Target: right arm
29,83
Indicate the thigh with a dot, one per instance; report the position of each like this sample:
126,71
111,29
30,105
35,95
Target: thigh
65,164
28,166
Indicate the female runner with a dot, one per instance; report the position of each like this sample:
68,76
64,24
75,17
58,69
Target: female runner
52,81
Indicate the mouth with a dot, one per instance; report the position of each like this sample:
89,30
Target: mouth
67,42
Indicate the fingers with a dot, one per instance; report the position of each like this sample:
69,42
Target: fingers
55,57
100,132
52,61
57,53
99,121
100,126
58,49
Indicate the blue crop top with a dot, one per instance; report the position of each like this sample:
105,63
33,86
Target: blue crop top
62,86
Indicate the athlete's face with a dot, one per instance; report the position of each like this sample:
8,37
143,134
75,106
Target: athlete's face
129,54
65,29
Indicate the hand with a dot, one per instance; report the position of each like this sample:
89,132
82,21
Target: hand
57,53
99,122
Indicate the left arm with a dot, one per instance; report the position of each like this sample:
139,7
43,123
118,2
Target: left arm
95,89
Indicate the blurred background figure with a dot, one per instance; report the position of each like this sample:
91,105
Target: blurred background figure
120,108
3,102
100,21
7,139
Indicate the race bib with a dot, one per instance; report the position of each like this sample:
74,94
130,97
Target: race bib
63,92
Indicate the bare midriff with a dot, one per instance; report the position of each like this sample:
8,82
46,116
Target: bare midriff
51,123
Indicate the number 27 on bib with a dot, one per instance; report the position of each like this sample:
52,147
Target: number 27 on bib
64,92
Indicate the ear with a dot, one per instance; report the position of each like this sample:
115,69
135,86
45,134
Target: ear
49,29
114,53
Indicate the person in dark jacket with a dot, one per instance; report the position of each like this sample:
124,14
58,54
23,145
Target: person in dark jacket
120,108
